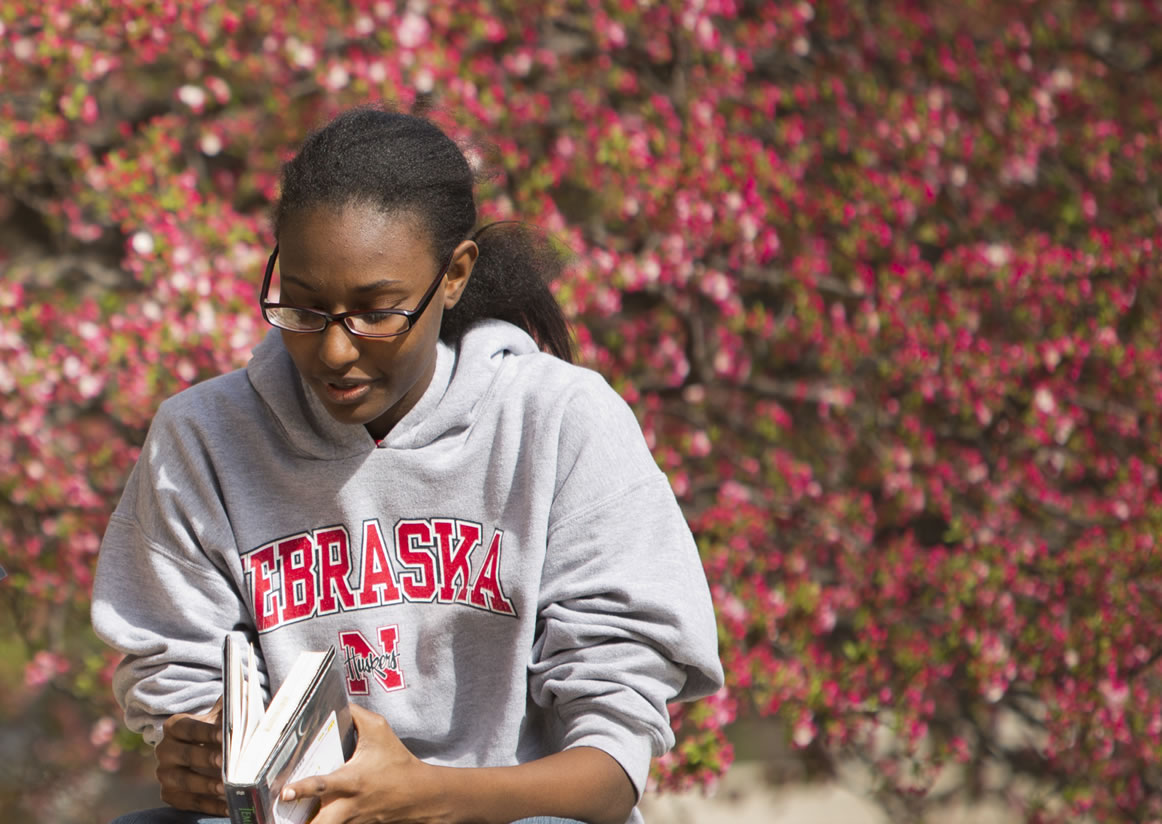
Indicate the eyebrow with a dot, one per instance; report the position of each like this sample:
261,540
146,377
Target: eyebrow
362,289
377,285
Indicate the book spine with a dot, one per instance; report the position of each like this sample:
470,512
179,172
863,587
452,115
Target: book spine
245,805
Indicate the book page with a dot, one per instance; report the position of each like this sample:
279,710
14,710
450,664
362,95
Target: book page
245,706
280,713
234,684
324,755
255,706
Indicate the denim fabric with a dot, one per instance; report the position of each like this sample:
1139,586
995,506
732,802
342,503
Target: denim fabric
168,815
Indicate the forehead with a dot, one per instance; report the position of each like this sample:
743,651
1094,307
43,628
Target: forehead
353,242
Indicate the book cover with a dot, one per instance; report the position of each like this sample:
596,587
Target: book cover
306,730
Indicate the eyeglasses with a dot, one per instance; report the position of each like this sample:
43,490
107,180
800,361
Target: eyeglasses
374,323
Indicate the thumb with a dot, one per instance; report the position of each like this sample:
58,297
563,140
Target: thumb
371,724
318,786
363,716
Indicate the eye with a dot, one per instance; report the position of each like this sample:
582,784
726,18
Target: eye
380,323
296,320
375,318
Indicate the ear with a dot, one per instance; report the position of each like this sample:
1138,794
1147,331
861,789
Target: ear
459,272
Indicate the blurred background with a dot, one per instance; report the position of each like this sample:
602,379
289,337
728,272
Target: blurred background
879,278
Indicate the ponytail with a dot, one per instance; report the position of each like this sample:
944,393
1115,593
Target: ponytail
510,282
400,162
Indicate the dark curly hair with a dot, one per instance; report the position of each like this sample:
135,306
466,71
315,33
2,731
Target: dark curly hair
396,161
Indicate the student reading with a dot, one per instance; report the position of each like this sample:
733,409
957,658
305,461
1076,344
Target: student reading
475,524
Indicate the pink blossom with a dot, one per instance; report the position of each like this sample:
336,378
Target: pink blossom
412,31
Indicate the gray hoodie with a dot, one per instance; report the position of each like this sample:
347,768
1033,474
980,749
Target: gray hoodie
507,574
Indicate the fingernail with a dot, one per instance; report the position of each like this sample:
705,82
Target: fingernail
220,789
288,794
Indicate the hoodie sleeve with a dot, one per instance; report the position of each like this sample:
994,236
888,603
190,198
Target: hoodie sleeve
626,623
158,597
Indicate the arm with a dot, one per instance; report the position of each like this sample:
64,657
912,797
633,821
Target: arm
163,594
582,783
385,782
625,622
161,600
167,617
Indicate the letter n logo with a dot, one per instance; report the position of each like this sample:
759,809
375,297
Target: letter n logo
363,662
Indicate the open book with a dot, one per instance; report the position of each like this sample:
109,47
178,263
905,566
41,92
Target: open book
306,730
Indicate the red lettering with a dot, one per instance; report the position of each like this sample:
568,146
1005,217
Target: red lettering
334,567
311,573
486,592
388,642
296,556
454,564
419,581
260,564
378,585
361,661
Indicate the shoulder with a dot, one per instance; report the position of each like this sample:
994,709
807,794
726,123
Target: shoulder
221,403
231,388
193,434
579,407
546,383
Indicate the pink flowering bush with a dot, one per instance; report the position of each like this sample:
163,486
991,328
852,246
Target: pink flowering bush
879,277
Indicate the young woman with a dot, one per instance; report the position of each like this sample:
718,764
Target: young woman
402,473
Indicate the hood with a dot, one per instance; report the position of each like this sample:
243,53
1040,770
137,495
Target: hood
464,373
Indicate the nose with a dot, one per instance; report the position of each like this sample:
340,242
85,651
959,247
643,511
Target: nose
338,349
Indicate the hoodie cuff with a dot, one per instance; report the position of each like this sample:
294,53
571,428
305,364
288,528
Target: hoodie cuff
632,752
153,734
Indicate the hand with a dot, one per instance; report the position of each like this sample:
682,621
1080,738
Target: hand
382,782
189,766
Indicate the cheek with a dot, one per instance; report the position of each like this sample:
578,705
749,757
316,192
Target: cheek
395,362
298,347
306,353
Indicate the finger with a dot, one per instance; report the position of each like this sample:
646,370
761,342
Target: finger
205,758
192,729
176,793
214,772
214,805
183,720
178,779
214,716
358,711
370,726
327,787
364,717
305,788
334,811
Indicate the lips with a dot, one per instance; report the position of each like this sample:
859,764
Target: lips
345,391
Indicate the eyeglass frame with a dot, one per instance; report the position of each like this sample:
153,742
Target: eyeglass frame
411,315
